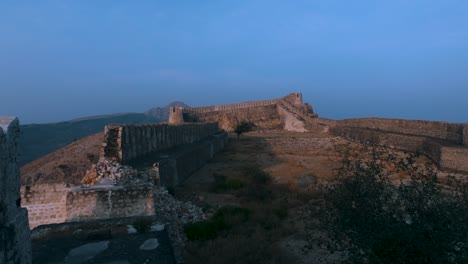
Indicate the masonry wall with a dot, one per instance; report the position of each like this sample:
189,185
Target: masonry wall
178,166
227,107
264,117
447,156
443,130
15,245
46,203
128,142
87,204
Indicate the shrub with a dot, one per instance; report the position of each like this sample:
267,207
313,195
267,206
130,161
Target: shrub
221,182
225,218
419,221
243,127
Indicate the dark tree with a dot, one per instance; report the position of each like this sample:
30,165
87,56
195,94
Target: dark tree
243,127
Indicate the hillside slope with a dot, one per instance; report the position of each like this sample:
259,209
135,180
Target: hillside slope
37,140
67,165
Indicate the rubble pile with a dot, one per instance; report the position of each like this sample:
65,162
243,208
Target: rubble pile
112,172
176,214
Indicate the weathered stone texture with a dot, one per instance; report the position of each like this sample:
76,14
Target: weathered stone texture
447,156
45,203
441,130
15,246
104,203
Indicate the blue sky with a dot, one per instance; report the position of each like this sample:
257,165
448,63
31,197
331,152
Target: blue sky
66,59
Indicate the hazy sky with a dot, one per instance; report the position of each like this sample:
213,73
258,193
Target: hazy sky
400,58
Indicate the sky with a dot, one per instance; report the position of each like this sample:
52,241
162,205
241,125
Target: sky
66,59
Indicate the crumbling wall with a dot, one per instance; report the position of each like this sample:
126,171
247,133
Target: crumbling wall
45,203
15,245
103,203
128,142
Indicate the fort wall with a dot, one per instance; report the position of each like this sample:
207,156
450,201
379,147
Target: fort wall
128,142
104,203
263,117
56,203
177,166
451,132
227,107
445,154
46,203
15,245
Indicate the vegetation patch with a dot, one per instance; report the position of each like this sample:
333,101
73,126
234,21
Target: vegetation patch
224,219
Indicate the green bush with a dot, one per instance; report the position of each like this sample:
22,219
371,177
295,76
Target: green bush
221,182
143,225
225,218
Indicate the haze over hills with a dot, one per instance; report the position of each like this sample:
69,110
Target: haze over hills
38,140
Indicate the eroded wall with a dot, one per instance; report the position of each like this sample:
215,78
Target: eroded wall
15,245
128,142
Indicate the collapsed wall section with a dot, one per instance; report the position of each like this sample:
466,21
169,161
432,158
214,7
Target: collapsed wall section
15,245
128,142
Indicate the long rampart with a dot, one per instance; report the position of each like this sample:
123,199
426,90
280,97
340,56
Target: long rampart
128,142
452,132
226,107
445,154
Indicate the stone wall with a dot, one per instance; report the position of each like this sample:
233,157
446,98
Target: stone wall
227,107
15,245
443,130
263,117
444,154
128,142
46,203
455,158
178,165
56,203
104,203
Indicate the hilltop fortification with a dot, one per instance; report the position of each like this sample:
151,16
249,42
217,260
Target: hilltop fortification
289,113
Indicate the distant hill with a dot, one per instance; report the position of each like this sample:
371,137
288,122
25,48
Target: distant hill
37,140
163,112
65,165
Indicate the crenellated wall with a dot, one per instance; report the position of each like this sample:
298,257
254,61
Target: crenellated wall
227,107
128,142
15,245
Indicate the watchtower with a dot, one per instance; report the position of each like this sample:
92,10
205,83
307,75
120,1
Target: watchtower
176,115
